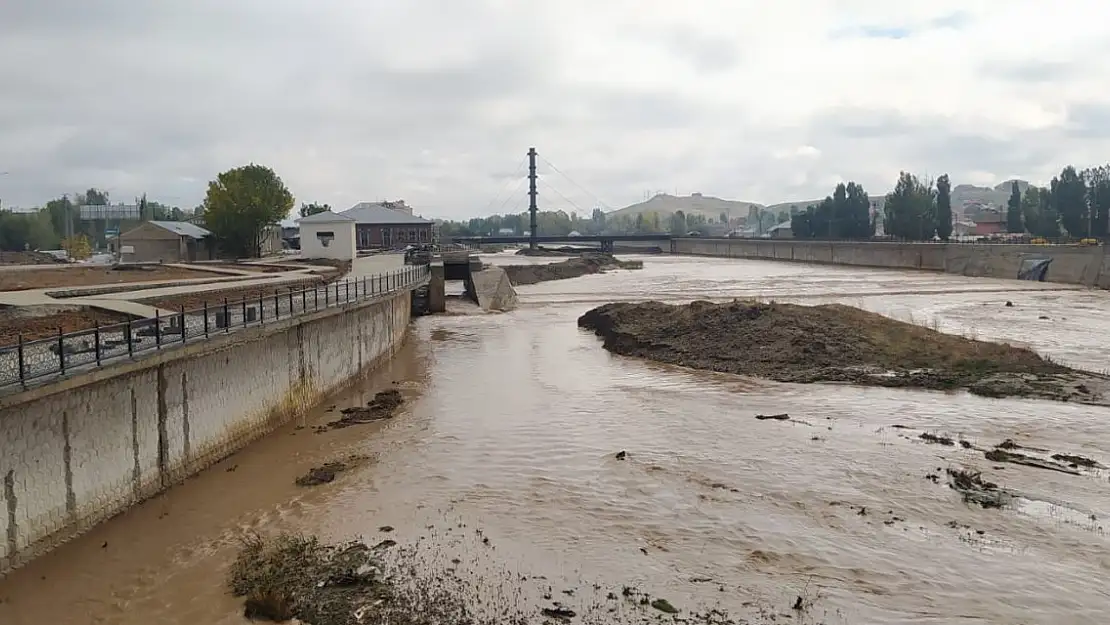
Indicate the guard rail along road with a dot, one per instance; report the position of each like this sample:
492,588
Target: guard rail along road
94,422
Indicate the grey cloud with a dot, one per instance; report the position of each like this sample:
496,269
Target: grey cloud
706,54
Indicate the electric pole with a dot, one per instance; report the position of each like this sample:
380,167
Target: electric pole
532,198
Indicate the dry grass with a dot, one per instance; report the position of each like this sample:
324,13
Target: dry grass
46,326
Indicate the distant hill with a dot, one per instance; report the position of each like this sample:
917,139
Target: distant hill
665,205
711,207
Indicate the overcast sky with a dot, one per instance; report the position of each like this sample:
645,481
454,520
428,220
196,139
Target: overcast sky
437,101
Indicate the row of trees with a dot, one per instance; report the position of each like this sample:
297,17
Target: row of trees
58,223
846,214
1076,201
239,206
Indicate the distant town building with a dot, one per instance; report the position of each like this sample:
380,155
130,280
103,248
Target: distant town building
990,222
327,235
164,242
781,231
384,225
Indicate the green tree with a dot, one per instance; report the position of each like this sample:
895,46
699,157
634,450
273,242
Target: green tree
911,209
1098,198
944,208
1040,215
26,231
1069,198
854,219
313,208
241,203
1014,222
678,223
724,217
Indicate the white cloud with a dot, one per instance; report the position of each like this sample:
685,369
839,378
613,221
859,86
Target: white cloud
435,101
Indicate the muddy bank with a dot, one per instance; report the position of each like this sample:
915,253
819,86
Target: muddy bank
831,343
590,262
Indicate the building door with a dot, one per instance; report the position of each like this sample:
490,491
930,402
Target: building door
387,239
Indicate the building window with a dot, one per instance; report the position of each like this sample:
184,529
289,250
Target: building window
423,234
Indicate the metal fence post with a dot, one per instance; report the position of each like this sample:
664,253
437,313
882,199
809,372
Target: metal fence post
364,286
327,295
20,357
182,318
205,318
261,311
316,298
157,330
61,351
304,299
244,311
96,342
227,318
277,307
290,301
130,340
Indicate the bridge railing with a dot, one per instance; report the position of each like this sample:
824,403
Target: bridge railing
36,359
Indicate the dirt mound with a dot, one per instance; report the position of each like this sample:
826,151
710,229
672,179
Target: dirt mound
585,264
28,258
830,343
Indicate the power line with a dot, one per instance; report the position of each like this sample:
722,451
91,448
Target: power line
519,184
556,191
569,179
515,175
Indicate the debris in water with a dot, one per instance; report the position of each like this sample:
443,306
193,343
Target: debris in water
385,529
559,611
327,473
621,455
384,404
664,606
776,417
1001,455
1075,460
975,489
942,439
1009,304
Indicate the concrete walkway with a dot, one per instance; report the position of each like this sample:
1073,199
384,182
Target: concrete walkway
122,301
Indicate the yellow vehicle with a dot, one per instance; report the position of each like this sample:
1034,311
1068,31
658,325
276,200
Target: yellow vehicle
1039,241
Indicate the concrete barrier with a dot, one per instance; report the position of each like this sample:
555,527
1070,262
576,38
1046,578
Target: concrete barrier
1086,265
85,448
493,289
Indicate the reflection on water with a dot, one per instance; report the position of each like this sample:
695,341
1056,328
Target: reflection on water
514,420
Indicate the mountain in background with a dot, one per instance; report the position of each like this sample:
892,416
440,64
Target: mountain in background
964,196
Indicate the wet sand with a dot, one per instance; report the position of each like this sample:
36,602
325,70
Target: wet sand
511,423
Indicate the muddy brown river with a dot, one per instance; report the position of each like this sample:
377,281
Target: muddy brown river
513,421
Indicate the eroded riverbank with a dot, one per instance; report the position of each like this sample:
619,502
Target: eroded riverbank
831,343
511,424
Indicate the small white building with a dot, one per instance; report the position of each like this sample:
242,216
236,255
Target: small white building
327,235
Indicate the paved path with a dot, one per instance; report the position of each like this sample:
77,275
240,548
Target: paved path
122,301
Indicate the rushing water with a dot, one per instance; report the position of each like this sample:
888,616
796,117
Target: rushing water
514,420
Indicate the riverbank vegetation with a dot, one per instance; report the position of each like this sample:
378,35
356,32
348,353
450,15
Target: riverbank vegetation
830,343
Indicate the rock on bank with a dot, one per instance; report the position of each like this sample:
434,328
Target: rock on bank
831,343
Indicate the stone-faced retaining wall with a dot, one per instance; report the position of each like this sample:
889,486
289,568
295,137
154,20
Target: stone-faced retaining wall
1089,266
75,452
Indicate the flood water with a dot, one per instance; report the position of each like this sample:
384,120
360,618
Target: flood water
513,421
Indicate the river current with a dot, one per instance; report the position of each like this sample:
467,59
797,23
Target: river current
512,425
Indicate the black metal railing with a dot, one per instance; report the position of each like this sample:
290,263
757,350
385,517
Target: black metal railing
31,360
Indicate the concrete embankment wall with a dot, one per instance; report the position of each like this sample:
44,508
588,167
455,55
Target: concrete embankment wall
77,451
1089,266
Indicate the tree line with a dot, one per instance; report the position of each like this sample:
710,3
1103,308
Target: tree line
239,206
1075,203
